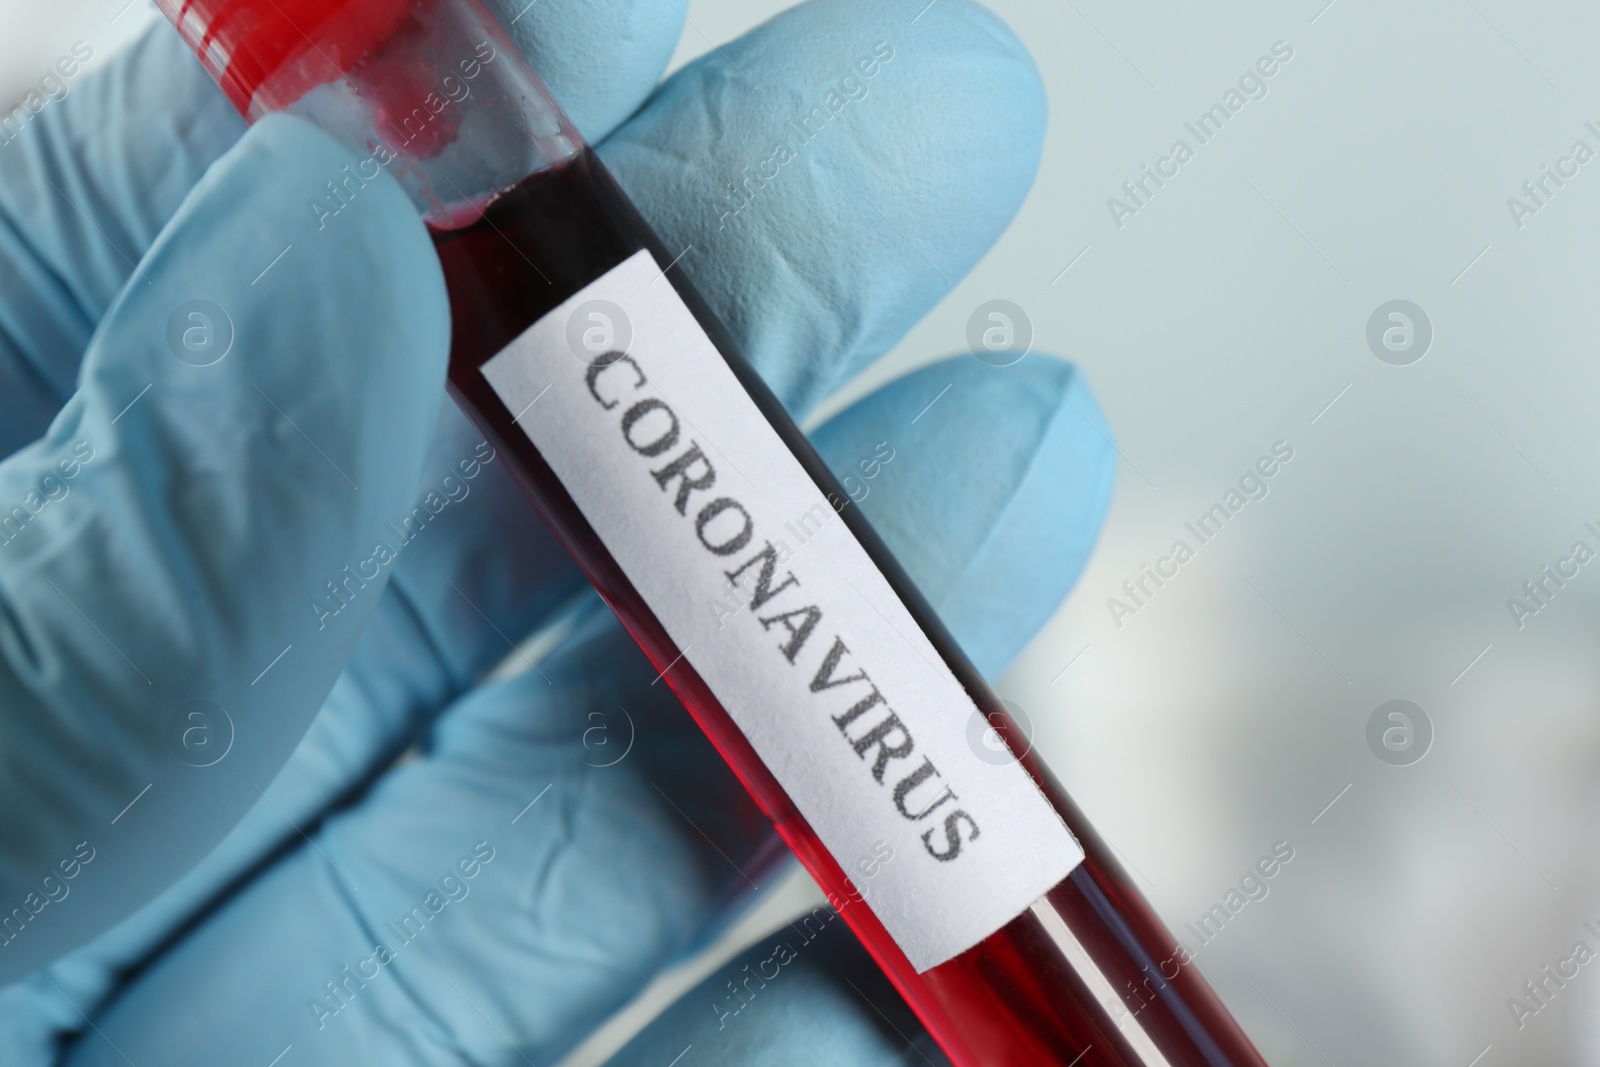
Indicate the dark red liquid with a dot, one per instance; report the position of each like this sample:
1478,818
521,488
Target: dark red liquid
1122,996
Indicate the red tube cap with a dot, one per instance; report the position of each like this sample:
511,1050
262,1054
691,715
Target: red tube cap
267,53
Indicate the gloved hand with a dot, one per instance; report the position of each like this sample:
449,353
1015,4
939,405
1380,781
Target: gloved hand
215,762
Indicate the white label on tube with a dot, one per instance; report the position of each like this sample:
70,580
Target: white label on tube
807,646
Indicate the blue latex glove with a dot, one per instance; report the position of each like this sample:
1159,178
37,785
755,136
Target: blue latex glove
205,512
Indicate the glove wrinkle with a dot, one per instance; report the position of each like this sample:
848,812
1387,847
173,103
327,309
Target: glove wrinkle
163,552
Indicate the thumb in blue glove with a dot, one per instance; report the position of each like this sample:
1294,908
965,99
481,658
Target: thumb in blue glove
230,453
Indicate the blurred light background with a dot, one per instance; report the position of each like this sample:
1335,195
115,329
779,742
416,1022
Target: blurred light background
1225,315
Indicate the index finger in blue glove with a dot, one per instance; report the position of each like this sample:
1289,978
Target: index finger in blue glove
807,316
221,453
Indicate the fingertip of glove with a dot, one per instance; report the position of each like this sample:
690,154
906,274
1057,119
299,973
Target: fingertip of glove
999,482
1003,74
562,39
834,172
